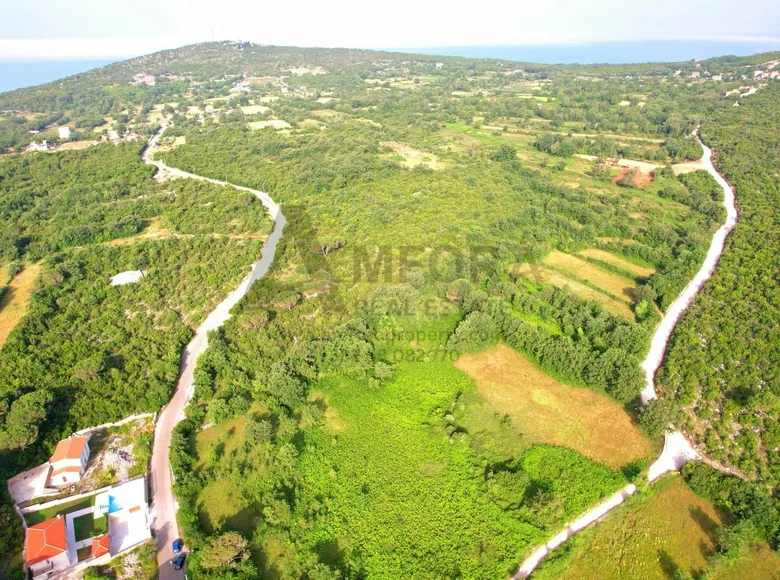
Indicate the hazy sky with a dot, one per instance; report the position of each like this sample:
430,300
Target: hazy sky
80,29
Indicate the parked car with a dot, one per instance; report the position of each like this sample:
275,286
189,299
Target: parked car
177,545
179,561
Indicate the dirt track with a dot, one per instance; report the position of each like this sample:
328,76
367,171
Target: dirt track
677,450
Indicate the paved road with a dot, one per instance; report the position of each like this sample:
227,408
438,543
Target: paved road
677,449
163,502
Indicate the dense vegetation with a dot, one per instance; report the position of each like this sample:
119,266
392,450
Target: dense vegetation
87,352
724,359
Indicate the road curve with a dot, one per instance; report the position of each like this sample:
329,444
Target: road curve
677,450
164,505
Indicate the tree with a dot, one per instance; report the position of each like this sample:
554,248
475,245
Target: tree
505,153
657,416
224,551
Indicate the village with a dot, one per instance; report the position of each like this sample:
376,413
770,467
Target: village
88,503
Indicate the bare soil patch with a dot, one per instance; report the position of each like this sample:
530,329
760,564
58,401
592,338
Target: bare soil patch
551,412
413,157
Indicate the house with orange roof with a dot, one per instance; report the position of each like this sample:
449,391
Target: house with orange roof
46,548
101,546
69,461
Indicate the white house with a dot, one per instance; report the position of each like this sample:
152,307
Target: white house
64,132
69,461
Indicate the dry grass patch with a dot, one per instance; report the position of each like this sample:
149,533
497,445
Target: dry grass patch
275,123
413,157
759,561
255,109
687,167
75,145
327,113
617,261
617,286
547,411
547,276
673,529
16,298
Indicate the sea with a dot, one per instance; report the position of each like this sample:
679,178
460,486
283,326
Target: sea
14,75
607,52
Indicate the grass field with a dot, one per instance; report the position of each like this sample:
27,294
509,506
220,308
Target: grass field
673,529
547,411
759,561
614,285
621,263
87,526
14,301
547,276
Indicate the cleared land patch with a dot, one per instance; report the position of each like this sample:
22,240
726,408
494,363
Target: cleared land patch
16,298
255,109
547,411
547,276
413,157
622,263
275,123
674,529
617,286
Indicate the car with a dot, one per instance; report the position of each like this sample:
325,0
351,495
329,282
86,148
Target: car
178,563
177,545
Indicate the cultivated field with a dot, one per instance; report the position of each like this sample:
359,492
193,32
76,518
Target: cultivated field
547,411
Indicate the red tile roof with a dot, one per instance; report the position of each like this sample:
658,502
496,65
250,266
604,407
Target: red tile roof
100,546
70,448
45,540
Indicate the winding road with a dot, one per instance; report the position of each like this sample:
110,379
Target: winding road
163,509
677,449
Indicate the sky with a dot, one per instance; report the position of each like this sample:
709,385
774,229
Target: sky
106,29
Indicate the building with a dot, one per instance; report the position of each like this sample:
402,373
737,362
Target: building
34,146
69,461
64,132
101,546
46,548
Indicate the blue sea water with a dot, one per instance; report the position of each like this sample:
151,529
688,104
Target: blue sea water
607,52
15,75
